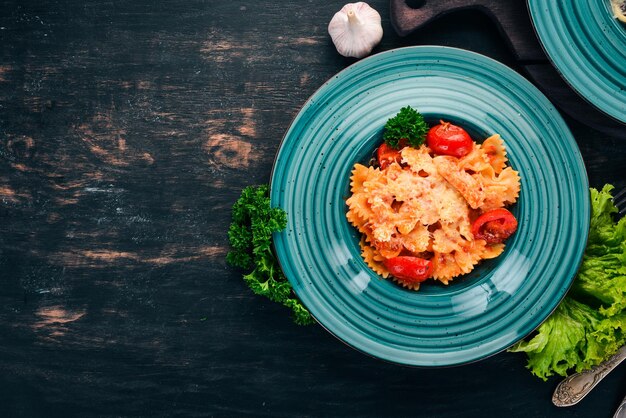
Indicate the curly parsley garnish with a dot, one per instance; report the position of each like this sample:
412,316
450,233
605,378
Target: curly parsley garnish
408,124
250,235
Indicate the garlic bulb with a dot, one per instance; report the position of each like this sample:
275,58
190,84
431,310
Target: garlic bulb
355,30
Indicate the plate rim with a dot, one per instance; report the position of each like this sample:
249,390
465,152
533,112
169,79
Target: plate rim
536,92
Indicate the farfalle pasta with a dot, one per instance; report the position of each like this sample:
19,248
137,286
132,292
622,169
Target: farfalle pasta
426,205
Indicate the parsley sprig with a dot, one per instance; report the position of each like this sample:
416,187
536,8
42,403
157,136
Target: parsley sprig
408,124
250,236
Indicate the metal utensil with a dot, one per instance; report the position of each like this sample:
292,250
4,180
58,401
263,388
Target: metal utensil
619,200
575,387
621,410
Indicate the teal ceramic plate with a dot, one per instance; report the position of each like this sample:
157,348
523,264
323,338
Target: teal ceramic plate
588,47
503,299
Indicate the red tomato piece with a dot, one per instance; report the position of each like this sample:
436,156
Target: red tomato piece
409,269
494,226
449,139
387,155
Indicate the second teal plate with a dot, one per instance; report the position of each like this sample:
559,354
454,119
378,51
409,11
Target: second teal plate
587,45
481,313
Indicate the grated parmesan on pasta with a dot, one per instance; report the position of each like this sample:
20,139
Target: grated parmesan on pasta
425,206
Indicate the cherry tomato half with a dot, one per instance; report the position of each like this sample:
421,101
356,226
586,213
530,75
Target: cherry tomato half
387,155
494,226
449,139
409,269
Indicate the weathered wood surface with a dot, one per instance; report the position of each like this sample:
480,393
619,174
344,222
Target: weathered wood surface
127,131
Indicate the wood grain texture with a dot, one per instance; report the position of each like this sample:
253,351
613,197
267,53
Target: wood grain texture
127,131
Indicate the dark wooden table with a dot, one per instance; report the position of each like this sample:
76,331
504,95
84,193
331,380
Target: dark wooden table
128,129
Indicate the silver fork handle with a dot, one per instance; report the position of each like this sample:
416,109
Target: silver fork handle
575,387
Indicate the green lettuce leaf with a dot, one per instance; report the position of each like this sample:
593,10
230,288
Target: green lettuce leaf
611,333
589,325
602,275
564,341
